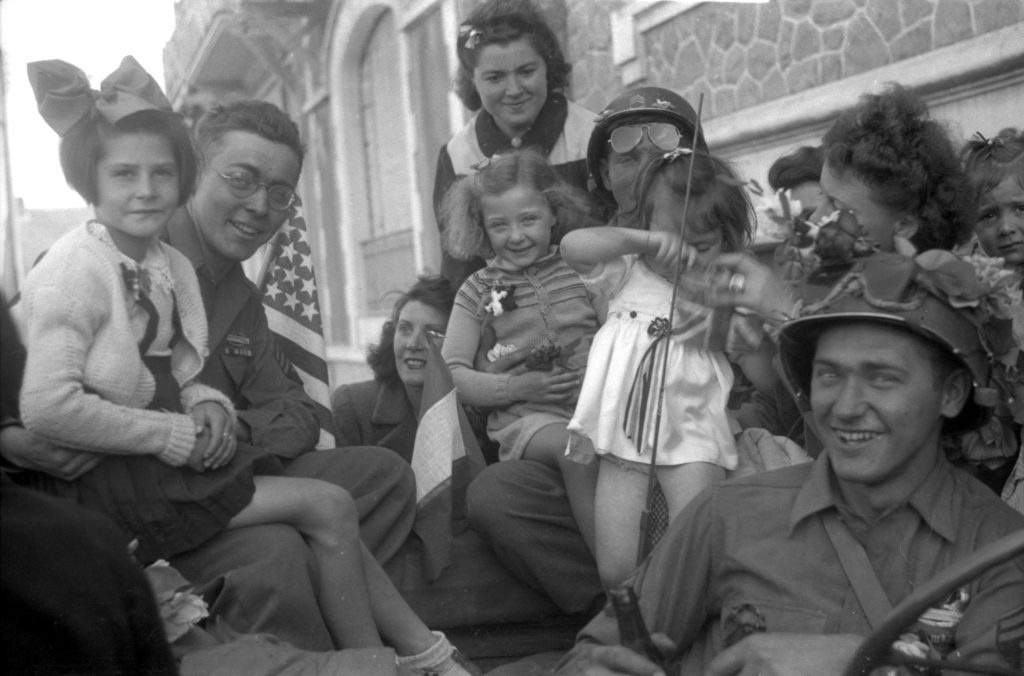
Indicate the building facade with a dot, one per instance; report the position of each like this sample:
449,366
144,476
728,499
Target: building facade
369,82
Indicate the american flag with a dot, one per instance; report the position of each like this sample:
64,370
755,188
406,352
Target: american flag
293,312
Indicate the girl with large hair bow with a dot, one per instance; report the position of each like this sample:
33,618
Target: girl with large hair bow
117,336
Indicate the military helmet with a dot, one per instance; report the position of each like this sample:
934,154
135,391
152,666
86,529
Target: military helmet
634,106
893,289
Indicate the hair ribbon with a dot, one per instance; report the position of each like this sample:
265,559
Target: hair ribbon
471,34
676,153
64,97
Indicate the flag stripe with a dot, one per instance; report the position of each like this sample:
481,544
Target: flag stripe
283,323
301,357
315,388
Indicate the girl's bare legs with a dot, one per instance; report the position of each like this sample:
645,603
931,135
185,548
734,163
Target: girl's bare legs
548,446
396,621
357,598
621,497
326,515
682,483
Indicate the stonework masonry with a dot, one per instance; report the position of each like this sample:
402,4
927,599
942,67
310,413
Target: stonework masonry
741,55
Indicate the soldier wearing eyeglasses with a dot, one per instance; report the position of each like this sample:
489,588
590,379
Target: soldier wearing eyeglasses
259,579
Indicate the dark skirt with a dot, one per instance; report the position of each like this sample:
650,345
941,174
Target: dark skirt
169,510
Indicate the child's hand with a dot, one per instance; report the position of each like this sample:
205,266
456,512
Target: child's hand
211,416
540,387
663,249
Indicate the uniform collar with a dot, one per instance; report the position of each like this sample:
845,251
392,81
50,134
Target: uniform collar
543,133
183,234
935,500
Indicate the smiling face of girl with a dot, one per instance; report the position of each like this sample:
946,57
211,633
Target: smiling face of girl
518,225
136,189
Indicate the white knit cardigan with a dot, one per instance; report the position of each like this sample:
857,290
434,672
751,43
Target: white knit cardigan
74,317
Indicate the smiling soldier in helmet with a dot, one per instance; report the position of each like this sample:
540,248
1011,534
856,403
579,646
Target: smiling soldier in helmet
888,359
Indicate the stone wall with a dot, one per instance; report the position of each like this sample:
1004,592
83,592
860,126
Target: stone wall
742,55
595,80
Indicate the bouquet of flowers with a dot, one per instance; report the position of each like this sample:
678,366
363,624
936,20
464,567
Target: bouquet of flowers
547,356
992,295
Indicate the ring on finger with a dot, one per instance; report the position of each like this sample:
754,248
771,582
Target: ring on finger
737,283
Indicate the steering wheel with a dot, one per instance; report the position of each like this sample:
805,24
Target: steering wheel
875,651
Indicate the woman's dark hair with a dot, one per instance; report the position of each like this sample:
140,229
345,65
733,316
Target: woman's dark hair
433,291
462,211
800,166
255,117
889,142
988,161
499,22
718,199
83,147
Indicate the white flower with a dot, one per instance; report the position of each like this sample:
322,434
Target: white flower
499,351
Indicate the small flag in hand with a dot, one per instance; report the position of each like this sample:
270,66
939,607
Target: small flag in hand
293,313
445,459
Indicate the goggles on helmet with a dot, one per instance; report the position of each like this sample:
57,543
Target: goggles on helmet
662,134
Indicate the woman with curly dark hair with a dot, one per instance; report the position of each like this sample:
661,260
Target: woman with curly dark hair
891,181
894,173
385,411
896,169
513,76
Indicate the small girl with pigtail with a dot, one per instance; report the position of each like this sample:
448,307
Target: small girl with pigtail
995,175
526,310
633,269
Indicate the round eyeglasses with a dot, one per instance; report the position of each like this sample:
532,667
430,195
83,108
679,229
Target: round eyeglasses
662,134
280,196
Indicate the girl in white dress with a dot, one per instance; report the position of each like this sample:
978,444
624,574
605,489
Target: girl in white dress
632,268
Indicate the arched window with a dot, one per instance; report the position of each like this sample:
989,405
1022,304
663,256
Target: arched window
386,236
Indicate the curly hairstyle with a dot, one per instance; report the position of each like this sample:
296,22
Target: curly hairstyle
82,148
800,166
499,22
988,161
462,212
718,200
889,141
433,291
256,117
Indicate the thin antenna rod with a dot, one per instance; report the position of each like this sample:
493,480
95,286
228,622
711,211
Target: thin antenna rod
645,536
